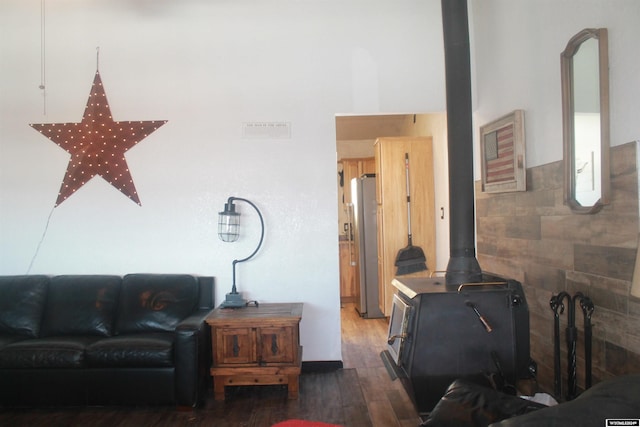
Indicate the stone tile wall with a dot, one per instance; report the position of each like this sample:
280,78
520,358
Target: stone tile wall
533,237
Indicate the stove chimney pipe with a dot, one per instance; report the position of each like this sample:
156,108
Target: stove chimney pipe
463,266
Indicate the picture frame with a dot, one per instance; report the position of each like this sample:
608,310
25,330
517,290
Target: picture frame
502,151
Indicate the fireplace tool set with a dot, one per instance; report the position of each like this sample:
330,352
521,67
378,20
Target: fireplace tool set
557,305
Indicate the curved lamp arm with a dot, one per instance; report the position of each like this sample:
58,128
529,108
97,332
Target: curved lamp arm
230,202
229,210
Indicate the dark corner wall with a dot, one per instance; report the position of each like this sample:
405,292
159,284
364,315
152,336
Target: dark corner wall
533,237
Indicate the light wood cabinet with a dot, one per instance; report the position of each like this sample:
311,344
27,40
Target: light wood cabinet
256,345
391,197
347,272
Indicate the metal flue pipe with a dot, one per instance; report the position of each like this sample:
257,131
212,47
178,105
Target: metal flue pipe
463,265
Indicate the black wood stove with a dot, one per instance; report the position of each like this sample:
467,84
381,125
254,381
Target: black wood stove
439,333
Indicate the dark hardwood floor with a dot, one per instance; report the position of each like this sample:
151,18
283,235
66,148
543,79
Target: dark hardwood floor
359,395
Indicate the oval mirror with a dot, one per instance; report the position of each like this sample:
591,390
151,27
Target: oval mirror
585,111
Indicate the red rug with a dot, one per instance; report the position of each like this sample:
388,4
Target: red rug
303,423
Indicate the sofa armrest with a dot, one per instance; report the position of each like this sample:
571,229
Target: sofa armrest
192,358
467,404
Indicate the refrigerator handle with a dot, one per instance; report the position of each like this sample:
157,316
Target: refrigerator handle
352,260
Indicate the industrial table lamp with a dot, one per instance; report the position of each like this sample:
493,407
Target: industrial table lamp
229,231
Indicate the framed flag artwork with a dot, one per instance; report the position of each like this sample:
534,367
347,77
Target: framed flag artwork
503,154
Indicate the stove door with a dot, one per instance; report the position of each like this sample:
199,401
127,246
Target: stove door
398,324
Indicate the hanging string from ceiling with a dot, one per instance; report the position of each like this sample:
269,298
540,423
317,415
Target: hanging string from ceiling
43,57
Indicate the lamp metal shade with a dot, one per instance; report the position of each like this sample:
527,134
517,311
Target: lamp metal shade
229,223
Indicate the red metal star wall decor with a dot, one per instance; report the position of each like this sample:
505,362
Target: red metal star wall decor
97,145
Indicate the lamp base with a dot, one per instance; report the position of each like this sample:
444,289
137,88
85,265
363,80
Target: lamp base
233,300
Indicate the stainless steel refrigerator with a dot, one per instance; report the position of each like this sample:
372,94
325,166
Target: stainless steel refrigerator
363,198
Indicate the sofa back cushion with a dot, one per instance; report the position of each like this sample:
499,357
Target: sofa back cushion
22,301
155,302
81,305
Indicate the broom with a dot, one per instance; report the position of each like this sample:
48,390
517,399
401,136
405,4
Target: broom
410,259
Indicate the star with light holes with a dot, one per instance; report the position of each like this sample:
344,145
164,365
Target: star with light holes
97,145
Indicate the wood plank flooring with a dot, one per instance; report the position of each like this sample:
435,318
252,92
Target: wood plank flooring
359,395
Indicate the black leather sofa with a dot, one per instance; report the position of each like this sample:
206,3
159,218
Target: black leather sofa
138,339
467,404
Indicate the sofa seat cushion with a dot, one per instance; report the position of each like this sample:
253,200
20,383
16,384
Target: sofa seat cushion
155,302
81,305
132,351
21,304
50,352
8,339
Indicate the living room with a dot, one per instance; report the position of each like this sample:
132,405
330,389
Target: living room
212,69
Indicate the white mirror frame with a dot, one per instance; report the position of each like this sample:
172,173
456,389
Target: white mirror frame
568,119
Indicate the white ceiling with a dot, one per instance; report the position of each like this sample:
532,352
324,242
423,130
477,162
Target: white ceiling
355,135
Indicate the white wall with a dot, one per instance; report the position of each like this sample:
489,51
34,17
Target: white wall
435,125
441,173
205,66
517,46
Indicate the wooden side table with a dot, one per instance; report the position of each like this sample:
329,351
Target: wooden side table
256,346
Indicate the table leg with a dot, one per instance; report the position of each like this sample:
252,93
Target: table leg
293,386
218,388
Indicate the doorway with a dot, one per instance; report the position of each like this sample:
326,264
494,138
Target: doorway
355,139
